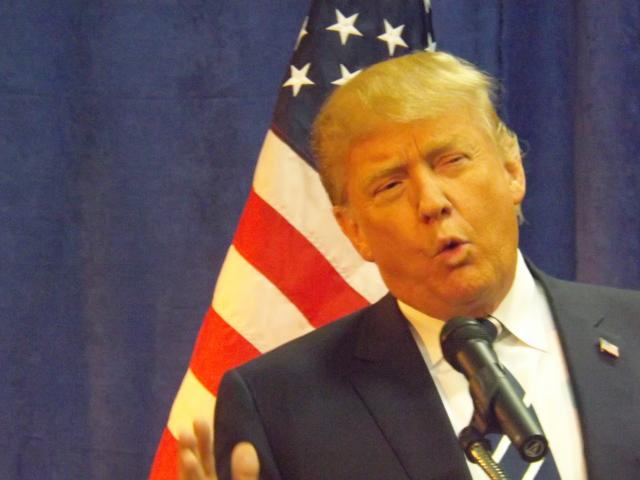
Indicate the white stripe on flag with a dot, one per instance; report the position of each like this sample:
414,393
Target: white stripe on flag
294,189
192,401
254,307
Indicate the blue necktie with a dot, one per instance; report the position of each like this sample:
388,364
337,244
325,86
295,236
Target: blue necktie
506,455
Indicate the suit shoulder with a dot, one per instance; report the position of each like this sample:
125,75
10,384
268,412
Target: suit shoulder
590,293
330,343
593,301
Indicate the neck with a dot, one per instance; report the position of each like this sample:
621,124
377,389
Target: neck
477,304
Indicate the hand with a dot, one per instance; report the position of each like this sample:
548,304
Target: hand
195,456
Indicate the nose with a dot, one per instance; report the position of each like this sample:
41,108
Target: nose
432,202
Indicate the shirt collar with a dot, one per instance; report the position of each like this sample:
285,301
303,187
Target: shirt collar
513,313
517,313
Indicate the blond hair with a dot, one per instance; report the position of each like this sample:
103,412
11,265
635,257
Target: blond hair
413,87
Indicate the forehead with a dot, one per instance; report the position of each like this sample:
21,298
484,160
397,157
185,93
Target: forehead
397,141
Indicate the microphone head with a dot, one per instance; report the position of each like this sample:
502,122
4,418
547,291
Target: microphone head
458,331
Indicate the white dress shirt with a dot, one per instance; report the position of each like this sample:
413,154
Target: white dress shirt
530,348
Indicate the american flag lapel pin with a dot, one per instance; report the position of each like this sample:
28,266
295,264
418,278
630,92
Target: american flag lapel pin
608,348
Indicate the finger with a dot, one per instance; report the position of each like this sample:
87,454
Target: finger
189,467
244,462
204,440
187,440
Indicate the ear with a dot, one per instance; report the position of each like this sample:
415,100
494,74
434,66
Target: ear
516,176
350,227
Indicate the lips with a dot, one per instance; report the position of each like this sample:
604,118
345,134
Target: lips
449,244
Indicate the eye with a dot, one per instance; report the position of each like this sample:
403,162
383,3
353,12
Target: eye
387,186
451,160
454,159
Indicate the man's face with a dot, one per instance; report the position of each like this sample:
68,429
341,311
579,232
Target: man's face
433,203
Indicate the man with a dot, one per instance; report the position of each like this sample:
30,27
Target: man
427,182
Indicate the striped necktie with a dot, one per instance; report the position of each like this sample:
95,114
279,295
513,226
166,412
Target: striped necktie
504,452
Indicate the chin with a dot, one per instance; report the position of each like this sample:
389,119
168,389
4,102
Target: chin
473,296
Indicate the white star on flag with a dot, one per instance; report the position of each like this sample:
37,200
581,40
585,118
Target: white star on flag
427,6
431,45
298,78
345,26
392,36
346,75
303,32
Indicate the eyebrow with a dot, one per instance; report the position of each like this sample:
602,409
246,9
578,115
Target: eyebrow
439,146
435,147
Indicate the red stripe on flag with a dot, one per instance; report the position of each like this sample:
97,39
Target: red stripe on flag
218,348
283,255
165,464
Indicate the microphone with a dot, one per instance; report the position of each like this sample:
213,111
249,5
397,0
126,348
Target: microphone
467,346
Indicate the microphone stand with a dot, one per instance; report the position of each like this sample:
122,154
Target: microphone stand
478,451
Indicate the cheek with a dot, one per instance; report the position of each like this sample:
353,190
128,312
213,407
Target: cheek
490,209
389,238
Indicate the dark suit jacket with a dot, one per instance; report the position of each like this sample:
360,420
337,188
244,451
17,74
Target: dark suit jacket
354,400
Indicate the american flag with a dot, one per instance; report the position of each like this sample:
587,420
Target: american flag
290,269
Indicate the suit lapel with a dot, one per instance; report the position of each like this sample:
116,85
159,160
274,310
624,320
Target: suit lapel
600,383
391,378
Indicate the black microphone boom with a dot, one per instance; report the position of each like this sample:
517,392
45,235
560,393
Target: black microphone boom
467,346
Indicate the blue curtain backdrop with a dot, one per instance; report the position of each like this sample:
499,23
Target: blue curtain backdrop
128,136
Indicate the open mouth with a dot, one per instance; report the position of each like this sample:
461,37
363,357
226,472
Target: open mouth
450,245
